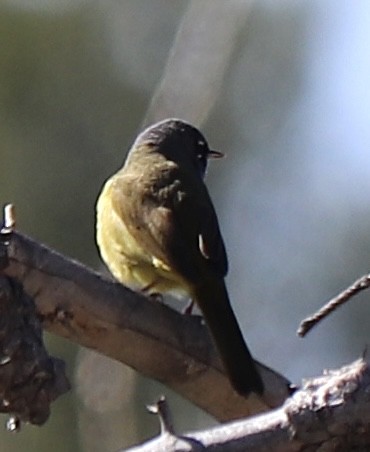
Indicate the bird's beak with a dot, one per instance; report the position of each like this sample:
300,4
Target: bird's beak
215,154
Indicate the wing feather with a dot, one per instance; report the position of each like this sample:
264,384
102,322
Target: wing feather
175,227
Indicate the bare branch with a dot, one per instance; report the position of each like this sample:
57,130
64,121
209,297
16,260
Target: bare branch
81,305
311,321
330,413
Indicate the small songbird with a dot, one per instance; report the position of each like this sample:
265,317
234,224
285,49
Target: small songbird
157,230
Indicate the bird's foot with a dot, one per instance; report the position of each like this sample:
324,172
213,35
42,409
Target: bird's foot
156,297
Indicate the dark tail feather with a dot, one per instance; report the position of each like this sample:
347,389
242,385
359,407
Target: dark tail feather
214,303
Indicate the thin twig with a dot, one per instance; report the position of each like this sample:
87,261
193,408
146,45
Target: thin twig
162,409
358,286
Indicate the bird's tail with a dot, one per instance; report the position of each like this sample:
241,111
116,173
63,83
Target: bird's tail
212,299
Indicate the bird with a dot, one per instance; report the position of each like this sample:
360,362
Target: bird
157,231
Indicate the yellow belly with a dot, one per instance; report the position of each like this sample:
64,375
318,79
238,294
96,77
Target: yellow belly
127,260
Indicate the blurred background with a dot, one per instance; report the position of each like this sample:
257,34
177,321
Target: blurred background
283,87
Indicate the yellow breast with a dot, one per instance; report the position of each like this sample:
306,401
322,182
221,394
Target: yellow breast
129,262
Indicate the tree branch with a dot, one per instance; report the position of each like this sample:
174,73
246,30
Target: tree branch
358,286
79,304
330,413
